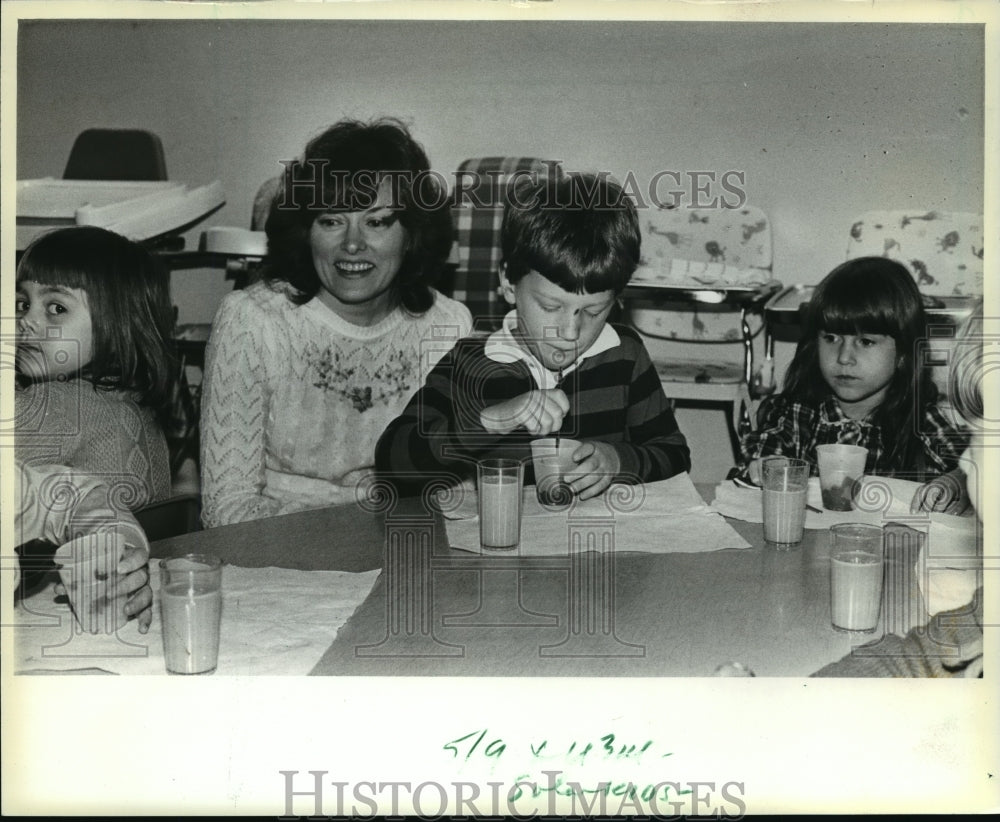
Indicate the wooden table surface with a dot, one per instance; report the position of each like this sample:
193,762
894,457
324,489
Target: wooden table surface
436,611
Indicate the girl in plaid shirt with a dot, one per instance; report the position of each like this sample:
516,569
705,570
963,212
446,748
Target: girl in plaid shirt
856,379
951,645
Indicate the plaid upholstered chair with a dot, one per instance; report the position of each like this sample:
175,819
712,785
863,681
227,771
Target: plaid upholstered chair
477,213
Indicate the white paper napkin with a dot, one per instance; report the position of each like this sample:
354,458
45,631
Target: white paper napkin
660,517
275,621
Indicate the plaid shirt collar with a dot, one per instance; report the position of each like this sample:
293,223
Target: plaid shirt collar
830,411
502,346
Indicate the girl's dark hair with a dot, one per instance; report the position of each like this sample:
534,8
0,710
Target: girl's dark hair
128,293
580,232
871,295
341,170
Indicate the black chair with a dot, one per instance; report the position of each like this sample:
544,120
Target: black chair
116,154
170,517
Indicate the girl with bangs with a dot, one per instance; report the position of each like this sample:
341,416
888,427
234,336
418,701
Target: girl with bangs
855,379
94,368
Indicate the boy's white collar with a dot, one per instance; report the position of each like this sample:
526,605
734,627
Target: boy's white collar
502,346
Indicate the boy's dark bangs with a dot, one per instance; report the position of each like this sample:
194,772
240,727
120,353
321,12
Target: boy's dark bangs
597,278
575,277
579,271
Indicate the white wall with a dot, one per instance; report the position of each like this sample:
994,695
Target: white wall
826,120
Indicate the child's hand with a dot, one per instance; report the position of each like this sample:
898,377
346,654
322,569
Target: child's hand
597,464
945,494
540,412
133,576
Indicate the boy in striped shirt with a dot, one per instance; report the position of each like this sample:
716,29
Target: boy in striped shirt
556,365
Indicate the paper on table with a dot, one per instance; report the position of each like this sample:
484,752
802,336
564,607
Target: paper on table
879,500
660,517
275,621
669,497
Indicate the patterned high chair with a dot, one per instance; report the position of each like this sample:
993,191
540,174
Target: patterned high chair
480,184
693,260
944,252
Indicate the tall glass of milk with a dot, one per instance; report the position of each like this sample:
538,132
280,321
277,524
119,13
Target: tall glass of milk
191,612
856,563
501,484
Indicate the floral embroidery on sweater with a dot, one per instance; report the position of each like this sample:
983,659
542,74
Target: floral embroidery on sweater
335,372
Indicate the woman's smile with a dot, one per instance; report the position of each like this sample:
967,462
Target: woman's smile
349,268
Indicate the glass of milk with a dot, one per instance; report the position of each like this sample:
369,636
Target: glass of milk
501,483
785,487
191,612
856,563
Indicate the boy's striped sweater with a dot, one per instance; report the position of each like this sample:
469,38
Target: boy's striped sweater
615,397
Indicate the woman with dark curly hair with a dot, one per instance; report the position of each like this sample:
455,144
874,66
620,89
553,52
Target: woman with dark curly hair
305,369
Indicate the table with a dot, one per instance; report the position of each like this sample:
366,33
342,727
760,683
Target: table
436,611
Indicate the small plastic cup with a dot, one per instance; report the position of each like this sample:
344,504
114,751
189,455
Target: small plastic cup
856,573
191,612
551,463
87,570
501,484
841,467
785,482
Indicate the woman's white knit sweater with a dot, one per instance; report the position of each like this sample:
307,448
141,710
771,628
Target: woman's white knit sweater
295,398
